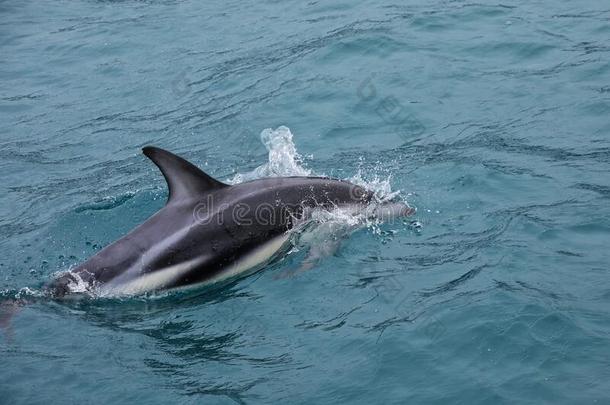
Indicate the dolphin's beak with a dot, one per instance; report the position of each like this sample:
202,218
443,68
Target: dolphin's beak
408,211
393,210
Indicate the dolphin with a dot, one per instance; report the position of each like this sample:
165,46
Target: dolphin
209,231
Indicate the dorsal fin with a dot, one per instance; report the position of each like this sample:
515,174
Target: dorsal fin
184,179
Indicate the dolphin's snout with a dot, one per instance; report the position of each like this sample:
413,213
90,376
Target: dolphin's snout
393,210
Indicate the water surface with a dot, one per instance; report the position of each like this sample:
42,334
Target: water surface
491,119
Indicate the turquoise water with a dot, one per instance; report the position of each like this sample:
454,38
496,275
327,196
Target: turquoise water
492,119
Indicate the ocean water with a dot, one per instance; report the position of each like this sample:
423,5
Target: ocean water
493,119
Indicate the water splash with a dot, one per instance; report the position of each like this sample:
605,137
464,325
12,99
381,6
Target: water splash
322,234
381,187
284,160
324,226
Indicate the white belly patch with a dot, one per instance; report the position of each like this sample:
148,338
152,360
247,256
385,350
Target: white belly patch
161,278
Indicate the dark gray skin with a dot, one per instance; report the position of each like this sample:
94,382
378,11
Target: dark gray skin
206,226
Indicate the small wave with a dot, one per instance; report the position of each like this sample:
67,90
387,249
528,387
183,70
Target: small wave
107,203
20,294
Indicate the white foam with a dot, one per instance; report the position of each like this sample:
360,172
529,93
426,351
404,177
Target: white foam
284,160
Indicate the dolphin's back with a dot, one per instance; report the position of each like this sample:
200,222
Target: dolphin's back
205,227
242,220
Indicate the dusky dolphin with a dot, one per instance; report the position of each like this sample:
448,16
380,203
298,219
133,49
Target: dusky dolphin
209,231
